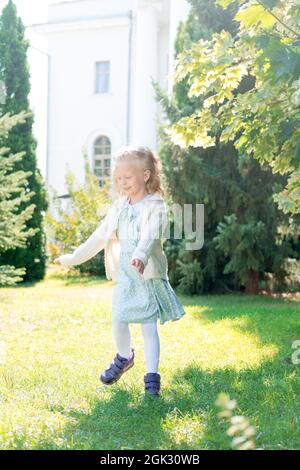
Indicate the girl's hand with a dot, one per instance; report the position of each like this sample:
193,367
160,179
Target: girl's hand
65,260
138,264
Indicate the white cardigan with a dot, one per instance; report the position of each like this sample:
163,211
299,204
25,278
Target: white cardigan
149,249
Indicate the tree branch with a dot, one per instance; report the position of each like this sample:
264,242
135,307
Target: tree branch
278,19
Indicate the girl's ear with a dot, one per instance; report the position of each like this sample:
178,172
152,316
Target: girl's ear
148,173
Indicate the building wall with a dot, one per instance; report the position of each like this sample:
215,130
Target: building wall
77,114
82,32
81,9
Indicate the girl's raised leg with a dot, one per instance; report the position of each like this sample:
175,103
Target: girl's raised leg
151,346
122,338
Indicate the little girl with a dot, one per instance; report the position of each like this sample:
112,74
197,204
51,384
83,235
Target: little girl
142,293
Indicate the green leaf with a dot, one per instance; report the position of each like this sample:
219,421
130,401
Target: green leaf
254,15
224,3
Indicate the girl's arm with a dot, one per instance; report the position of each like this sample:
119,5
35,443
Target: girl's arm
154,228
89,248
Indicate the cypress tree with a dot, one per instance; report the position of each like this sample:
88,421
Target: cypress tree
224,181
14,74
13,232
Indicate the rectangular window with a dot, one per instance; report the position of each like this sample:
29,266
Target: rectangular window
102,77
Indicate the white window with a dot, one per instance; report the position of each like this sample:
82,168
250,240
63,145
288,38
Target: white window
102,159
102,77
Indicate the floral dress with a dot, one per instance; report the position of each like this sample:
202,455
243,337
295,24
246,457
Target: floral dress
135,299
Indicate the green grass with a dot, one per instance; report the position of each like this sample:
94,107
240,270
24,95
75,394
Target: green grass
58,339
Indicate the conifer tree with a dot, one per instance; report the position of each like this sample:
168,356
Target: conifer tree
233,187
13,232
14,74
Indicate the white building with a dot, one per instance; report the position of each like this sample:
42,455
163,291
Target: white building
102,55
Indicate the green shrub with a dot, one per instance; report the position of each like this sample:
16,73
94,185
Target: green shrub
69,225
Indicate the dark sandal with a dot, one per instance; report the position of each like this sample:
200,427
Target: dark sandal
152,383
117,368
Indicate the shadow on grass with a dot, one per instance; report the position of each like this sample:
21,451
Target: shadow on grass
73,280
185,416
273,321
69,278
23,284
240,300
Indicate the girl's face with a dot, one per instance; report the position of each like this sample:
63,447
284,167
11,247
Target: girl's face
131,177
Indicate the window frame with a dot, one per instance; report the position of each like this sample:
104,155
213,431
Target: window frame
102,157
96,76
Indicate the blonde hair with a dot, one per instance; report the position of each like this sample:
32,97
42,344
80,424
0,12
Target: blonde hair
149,161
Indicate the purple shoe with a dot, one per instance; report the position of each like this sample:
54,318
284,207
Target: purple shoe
152,383
117,368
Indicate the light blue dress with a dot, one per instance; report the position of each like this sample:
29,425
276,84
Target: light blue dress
135,299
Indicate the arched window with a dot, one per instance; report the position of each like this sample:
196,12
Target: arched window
102,158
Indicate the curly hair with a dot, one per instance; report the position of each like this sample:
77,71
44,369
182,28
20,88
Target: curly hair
149,161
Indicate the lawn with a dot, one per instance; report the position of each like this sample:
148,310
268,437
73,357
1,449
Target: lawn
56,339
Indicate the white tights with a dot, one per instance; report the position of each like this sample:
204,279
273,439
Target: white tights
122,338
